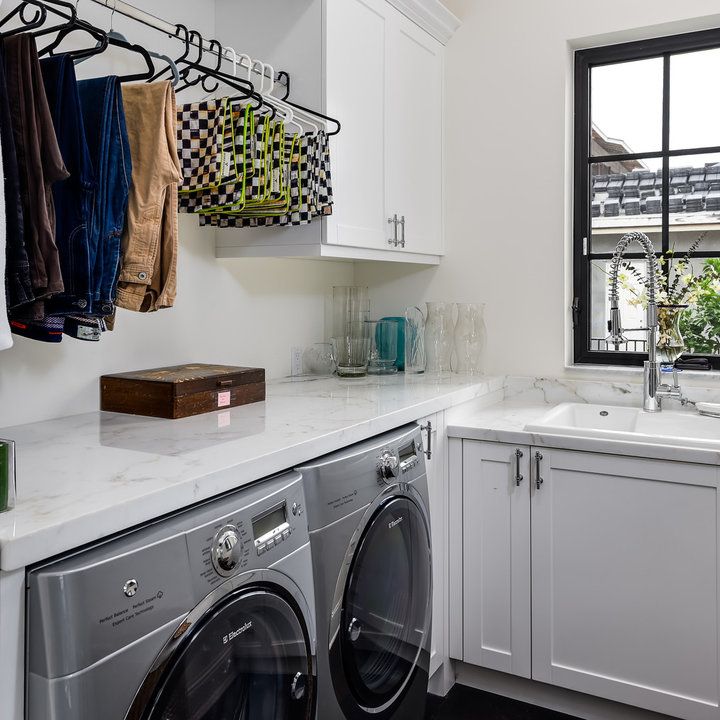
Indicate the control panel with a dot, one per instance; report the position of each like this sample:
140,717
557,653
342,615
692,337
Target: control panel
393,463
255,535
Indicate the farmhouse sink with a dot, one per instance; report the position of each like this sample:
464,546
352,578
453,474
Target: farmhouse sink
610,422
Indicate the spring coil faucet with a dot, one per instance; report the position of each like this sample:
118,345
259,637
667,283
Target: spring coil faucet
653,389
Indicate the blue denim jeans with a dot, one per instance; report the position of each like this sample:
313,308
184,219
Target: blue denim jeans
104,117
72,196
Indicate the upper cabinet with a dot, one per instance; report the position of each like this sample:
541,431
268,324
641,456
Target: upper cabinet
382,73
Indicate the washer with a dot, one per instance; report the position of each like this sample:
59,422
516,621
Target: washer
206,614
370,539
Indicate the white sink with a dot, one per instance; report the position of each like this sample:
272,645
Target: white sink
609,422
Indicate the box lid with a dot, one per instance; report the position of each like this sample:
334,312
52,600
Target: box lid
195,377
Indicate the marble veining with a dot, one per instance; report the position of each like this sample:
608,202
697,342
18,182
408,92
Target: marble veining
87,476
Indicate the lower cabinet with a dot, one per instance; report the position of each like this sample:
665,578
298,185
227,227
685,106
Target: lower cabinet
595,573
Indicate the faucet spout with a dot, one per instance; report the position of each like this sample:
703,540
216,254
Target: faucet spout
651,400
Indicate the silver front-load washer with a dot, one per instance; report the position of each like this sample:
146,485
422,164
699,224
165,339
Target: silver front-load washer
204,615
370,537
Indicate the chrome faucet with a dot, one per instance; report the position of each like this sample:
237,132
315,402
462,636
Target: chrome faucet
654,390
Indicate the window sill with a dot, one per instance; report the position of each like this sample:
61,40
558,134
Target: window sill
702,378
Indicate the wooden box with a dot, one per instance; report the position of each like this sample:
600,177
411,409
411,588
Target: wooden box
182,390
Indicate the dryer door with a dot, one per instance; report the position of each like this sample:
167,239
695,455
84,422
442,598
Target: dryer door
387,606
248,658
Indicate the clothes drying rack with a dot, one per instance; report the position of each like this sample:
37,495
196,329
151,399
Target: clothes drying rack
211,46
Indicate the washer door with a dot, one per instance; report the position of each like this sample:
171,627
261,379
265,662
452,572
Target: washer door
249,658
387,605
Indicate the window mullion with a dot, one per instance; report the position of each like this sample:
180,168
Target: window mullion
666,158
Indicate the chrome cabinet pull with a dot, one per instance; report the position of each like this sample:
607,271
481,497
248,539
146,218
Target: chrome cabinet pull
402,231
518,474
428,447
394,239
538,478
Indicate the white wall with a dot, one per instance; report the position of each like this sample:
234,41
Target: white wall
244,312
508,105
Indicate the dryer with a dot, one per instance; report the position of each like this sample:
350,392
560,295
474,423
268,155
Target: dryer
369,523
207,614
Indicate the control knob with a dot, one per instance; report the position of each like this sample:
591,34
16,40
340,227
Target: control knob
225,550
388,466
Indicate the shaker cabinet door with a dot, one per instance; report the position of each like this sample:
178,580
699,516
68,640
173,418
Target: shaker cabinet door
625,580
415,135
356,72
496,556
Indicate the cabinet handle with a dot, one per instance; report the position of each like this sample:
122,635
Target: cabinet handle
518,475
394,239
428,447
402,231
538,478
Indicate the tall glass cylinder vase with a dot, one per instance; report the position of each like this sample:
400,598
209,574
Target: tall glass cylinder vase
415,358
350,338
438,337
470,339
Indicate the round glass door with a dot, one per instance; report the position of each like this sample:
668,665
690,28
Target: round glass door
249,659
386,613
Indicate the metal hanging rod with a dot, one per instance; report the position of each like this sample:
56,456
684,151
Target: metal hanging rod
164,26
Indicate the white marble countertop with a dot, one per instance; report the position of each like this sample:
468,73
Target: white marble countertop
505,422
84,477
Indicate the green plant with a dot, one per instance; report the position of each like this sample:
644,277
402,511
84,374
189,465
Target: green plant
700,324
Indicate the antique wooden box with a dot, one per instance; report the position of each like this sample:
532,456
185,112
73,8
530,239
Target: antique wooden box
181,390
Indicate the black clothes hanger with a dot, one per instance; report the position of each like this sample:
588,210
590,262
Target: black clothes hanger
100,36
27,24
71,18
218,48
116,40
309,111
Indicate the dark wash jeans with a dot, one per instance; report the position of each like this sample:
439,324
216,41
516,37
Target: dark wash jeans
107,140
17,273
72,196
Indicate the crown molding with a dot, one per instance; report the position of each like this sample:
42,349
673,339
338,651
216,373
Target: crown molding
431,15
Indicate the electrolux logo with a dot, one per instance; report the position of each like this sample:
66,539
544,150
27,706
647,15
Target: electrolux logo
395,523
236,633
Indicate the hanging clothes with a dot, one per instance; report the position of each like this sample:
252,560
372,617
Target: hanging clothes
107,138
40,165
73,195
148,272
6,340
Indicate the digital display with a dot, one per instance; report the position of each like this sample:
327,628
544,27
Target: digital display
263,524
407,452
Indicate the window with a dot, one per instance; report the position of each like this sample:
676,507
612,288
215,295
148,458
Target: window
647,158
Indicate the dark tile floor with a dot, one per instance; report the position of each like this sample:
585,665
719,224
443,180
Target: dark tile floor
464,703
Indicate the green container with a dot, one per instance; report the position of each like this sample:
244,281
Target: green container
7,475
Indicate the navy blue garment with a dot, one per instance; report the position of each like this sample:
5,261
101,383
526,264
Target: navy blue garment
72,196
17,274
107,140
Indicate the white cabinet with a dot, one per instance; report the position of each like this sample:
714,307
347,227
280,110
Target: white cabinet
496,558
356,80
621,599
381,74
414,138
625,580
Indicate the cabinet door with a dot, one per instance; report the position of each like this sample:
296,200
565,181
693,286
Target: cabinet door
625,580
496,556
436,467
415,134
356,70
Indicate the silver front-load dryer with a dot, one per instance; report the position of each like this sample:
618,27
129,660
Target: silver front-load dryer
370,538
207,614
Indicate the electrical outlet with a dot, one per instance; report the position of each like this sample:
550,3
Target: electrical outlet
296,361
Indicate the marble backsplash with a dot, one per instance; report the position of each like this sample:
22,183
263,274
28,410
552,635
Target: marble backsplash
552,391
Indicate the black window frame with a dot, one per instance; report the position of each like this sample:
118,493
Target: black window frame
585,60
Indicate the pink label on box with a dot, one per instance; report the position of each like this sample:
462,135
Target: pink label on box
224,399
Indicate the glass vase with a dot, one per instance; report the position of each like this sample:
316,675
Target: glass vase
415,357
670,343
470,339
438,337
